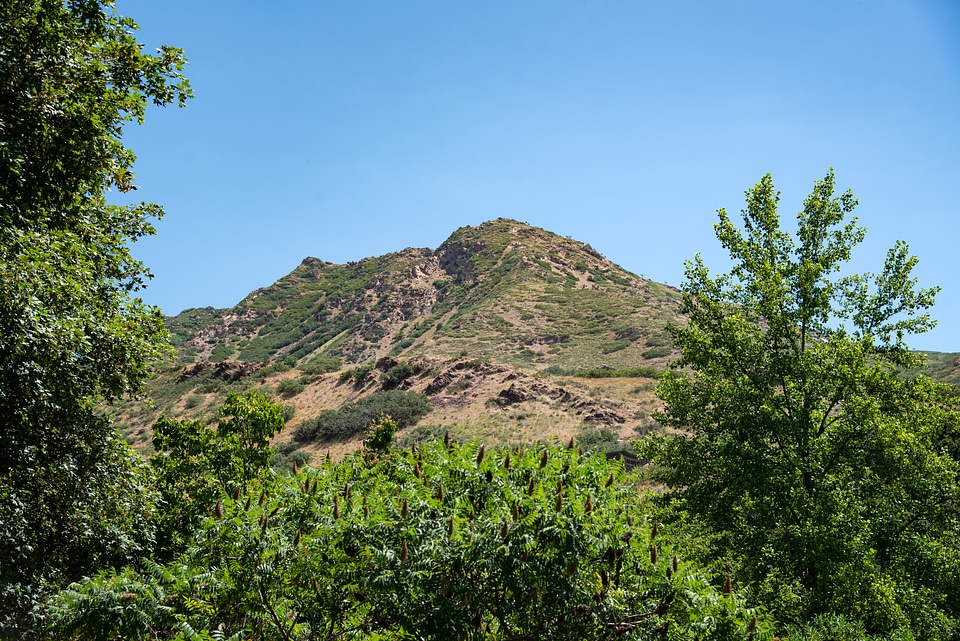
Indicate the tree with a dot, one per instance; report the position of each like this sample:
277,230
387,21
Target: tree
196,467
71,335
827,477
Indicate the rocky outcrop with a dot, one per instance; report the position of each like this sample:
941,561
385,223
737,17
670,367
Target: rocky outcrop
228,371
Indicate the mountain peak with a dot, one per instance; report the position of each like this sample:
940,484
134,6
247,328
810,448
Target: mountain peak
503,290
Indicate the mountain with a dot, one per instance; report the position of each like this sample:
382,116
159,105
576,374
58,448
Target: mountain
513,333
505,327
503,291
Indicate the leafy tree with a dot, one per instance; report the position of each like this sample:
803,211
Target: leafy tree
440,543
827,478
197,467
71,335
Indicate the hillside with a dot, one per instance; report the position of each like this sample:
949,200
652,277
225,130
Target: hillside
503,291
505,328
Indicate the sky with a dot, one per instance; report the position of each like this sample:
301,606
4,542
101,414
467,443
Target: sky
342,130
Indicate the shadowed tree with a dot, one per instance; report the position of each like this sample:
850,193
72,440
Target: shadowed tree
72,336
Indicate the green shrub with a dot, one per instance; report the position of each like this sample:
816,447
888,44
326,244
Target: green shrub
657,352
615,346
289,387
406,408
632,372
194,400
287,455
392,378
598,439
220,353
451,542
356,375
321,365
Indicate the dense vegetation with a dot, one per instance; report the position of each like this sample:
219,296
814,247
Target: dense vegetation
71,333
442,542
823,476
405,408
811,479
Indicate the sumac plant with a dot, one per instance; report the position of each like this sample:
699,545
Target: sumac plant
442,541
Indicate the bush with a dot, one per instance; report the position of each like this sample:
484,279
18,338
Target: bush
288,454
657,352
320,365
421,434
392,378
194,400
598,439
452,542
356,375
289,387
632,372
405,408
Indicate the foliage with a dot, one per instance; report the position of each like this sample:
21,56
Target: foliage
381,436
321,365
290,387
357,375
827,478
406,408
195,466
436,543
598,439
394,376
286,455
630,372
71,336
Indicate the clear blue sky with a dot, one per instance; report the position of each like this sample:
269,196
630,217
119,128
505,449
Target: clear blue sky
342,130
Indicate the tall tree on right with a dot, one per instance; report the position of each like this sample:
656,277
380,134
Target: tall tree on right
826,477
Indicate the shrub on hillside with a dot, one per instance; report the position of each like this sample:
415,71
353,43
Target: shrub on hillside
289,387
392,378
405,408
